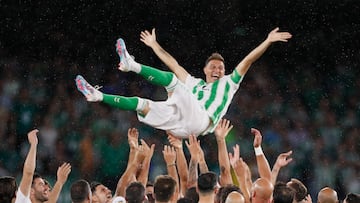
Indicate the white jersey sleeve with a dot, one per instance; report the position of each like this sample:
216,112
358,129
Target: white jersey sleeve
21,198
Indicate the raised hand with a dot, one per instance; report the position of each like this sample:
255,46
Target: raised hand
283,159
145,149
148,38
257,137
275,36
32,137
174,141
193,146
169,154
133,138
233,158
222,129
63,172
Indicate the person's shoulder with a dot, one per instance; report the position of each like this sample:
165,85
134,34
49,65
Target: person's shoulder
191,79
118,199
21,198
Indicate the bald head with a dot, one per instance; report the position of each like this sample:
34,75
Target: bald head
261,190
235,197
327,195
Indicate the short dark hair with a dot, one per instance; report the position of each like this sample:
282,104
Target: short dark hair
8,189
164,188
35,176
185,200
225,190
214,56
352,198
191,193
300,190
206,182
48,184
282,193
93,185
80,191
135,192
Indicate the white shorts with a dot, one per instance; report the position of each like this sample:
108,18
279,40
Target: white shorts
180,114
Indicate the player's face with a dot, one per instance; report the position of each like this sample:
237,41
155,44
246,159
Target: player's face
214,70
39,190
102,194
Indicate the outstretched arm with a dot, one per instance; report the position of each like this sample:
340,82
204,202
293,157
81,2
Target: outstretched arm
194,160
62,175
181,162
262,162
282,160
144,169
29,165
169,154
273,36
240,169
135,159
221,130
150,40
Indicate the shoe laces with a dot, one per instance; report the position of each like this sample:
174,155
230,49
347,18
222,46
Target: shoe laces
97,87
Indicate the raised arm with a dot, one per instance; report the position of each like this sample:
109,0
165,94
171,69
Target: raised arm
273,36
135,159
29,165
194,161
62,176
262,162
240,169
282,160
145,165
133,140
170,160
150,40
181,162
221,130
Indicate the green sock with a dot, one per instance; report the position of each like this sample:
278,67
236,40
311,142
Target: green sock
124,103
156,76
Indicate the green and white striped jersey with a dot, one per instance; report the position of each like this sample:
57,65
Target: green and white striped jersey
215,97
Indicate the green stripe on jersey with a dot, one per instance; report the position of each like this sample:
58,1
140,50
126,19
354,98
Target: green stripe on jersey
235,76
224,100
200,93
212,95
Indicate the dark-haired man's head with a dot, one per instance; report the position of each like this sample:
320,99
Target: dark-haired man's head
164,188
192,194
39,191
100,193
135,192
299,189
206,183
149,191
8,189
80,192
282,193
214,68
352,198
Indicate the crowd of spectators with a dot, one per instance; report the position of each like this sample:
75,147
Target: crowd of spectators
320,123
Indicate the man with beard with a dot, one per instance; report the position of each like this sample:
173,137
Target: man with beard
100,193
39,192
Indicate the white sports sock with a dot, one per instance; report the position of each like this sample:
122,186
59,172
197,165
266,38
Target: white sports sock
134,66
141,104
